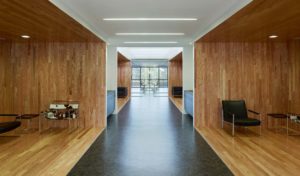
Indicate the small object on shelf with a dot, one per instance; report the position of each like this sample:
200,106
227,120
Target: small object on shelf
50,115
293,117
62,110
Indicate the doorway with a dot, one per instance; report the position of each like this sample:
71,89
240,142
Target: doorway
149,77
154,72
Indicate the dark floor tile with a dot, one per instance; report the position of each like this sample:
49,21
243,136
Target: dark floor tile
150,137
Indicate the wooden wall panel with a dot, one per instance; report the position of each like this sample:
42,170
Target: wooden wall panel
34,74
257,21
294,80
294,77
256,72
175,72
124,73
42,20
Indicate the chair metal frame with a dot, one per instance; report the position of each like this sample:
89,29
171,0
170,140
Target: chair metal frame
233,120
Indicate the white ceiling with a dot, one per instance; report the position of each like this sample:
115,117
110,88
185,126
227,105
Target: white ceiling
149,52
209,13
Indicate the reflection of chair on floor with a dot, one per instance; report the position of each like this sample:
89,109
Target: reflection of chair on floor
236,113
9,126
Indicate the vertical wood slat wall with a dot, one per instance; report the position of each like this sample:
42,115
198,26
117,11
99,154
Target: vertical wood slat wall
124,73
266,75
33,74
294,77
175,72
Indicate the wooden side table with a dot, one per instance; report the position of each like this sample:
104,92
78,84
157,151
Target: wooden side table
29,118
293,118
278,116
286,117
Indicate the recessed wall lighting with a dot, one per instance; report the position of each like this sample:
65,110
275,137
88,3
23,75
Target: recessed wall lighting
25,36
273,36
151,42
150,19
151,34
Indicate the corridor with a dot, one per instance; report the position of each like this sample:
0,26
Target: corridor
150,137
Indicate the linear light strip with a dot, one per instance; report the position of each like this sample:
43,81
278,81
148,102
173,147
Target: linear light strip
151,34
171,42
150,19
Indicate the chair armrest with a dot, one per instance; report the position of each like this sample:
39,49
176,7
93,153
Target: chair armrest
256,113
289,114
27,116
9,115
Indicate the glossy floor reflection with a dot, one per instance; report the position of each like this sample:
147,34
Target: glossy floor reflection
150,137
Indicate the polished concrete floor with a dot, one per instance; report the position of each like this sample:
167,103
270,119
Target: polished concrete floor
157,92
150,137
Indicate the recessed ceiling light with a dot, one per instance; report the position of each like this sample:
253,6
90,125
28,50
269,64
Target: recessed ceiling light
25,36
150,42
273,36
150,19
153,34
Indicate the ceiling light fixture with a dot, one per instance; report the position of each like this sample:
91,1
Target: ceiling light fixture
151,34
273,36
150,42
25,36
150,19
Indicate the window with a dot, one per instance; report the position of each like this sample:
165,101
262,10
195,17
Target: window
136,83
163,73
136,73
153,72
149,77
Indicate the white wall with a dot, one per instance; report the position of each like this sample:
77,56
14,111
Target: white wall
112,70
188,68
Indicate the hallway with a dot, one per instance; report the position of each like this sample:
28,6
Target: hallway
150,137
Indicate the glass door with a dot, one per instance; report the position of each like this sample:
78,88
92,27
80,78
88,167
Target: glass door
150,79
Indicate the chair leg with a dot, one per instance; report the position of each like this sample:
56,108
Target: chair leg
287,125
260,124
222,123
233,121
260,130
232,129
222,114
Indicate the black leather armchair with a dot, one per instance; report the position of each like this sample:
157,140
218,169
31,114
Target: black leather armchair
236,113
177,91
122,92
8,126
